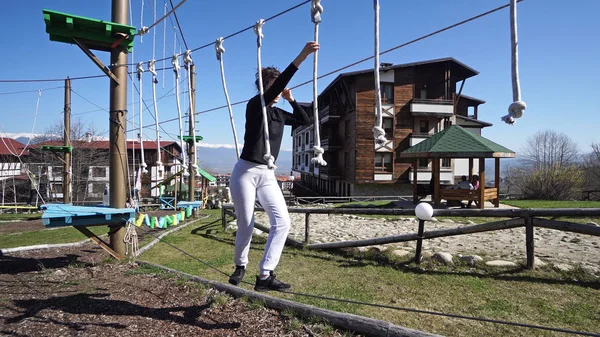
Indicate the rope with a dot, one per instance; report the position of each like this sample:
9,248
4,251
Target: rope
142,21
220,50
145,30
152,69
259,36
164,46
378,132
517,107
140,71
187,60
176,68
131,240
316,10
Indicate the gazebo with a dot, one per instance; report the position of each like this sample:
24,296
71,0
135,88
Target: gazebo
456,142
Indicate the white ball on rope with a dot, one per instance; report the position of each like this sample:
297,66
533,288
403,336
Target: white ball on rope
424,211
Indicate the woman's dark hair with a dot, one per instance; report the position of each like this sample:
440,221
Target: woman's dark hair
268,74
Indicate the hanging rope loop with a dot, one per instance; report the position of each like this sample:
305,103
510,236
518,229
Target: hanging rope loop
140,69
187,58
152,69
219,47
517,108
316,10
175,64
258,31
379,134
131,240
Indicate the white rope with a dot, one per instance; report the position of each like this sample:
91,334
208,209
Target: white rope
259,36
164,47
140,71
131,240
145,30
378,131
154,34
316,10
187,60
152,69
176,69
517,107
220,50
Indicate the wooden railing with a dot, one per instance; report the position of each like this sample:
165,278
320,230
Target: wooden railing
458,194
528,218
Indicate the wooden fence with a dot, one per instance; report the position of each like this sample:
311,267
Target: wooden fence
333,200
525,217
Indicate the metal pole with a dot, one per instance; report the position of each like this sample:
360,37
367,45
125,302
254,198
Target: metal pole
67,142
192,150
117,128
420,240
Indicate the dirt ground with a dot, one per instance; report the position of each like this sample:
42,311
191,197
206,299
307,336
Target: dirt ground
74,292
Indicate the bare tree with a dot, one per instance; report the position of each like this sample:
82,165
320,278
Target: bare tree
591,166
549,148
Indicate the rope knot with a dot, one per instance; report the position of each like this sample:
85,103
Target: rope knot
379,135
187,58
143,30
316,10
318,156
175,63
140,69
258,31
219,47
270,161
515,110
152,67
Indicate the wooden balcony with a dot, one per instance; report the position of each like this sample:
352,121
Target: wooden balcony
330,172
330,143
431,107
326,114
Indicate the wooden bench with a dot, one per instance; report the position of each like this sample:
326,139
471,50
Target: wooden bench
469,195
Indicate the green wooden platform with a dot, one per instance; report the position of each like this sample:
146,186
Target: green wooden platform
189,139
64,149
95,34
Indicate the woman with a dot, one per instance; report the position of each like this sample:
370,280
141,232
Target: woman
475,183
251,178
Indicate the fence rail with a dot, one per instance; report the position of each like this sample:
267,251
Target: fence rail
333,200
525,217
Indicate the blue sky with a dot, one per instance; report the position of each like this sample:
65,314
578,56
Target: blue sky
558,43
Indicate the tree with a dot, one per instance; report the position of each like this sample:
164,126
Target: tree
549,148
552,172
591,167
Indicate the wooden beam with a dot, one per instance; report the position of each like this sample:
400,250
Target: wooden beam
415,186
529,243
470,169
458,96
481,183
96,60
419,241
306,229
99,242
497,182
567,226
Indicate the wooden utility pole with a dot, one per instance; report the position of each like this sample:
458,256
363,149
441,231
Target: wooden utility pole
67,142
117,128
192,149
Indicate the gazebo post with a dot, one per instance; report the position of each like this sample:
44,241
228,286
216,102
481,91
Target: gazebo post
470,169
497,182
481,182
415,164
436,181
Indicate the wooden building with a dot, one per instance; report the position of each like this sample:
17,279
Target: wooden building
418,100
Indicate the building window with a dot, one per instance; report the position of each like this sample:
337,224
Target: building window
383,162
98,188
423,162
387,93
424,126
446,162
388,126
306,138
57,188
99,172
347,129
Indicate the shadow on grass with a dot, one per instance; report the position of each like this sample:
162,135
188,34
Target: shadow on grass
16,265
99,304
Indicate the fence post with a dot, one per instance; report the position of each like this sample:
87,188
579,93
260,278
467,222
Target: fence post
419,241
306,229
529,242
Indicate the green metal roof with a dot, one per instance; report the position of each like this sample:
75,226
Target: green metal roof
206,175
456,142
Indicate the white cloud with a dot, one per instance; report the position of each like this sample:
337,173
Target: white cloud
217,146
19,135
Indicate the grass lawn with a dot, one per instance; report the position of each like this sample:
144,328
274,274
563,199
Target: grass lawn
19,216
47,236
544,297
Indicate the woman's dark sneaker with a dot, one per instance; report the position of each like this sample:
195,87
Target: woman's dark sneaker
270,283
237,275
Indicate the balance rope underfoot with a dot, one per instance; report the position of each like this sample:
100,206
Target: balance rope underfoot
383,306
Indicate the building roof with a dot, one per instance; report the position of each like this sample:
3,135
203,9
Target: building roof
105,144
464,70
471,99
9,146
473,120
456,142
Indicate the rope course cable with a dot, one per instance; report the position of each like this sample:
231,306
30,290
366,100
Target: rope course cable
140,72
220,50
268,157
159,168
145,30
316,9
439,31
517,107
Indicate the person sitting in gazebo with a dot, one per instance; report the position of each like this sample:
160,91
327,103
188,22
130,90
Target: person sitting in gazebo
475,184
